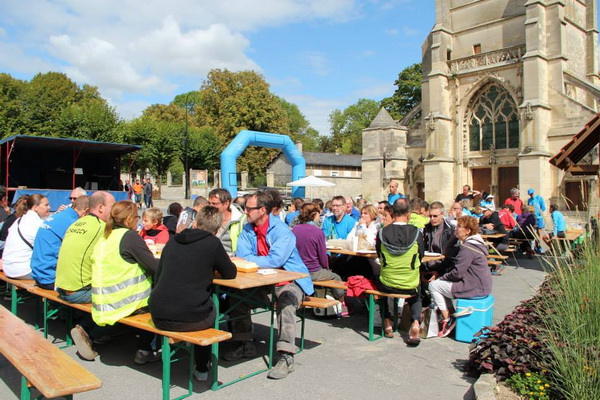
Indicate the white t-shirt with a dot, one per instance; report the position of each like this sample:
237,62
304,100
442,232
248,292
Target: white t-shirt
17,254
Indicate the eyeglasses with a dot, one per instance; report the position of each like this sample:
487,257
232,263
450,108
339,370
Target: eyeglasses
215,203
435,216
252,208
72,198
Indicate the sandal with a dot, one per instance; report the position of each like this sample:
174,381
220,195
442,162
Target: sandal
388,331
413,336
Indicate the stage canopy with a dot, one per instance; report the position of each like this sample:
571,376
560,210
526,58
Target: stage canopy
40,162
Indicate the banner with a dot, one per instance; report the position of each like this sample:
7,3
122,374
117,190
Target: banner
198,178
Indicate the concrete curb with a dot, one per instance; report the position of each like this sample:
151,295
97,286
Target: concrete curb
485,386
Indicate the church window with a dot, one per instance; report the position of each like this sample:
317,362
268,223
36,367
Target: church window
477,48
493,120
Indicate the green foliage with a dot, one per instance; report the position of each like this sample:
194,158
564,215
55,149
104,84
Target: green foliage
347,125
167,113
530,385
160,141
44,99
89,120
11,90
204,148
571,324
233,101
407,94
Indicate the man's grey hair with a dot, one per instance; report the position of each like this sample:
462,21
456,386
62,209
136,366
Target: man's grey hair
79,191
514,191
209,219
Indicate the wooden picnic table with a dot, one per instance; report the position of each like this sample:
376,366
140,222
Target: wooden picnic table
246,288
494,236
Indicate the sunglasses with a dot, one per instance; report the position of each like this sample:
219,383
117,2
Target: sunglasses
72,198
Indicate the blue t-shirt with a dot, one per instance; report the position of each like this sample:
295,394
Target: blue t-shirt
393,197
560,225
337,230
289,217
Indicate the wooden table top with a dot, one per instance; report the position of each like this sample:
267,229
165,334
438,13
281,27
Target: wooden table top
247,280
374,255
494,236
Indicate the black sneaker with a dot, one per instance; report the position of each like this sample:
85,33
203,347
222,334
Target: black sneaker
284,366
244,350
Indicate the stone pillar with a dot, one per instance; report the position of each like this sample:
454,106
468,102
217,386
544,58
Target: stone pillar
244,179
439,179
270,178
217,178
169,178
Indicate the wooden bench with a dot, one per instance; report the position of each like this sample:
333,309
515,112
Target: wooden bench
16,297
312,302
372,295
177,340
41,364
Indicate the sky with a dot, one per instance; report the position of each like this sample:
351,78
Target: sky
321,55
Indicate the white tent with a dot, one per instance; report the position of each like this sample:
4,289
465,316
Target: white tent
311,181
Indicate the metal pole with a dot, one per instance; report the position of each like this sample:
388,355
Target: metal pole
187,166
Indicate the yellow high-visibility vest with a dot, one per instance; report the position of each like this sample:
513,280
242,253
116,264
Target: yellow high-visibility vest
118,287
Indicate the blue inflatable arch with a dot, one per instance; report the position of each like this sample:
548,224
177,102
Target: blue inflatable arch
262,139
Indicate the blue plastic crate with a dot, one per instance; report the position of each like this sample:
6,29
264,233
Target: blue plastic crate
472,315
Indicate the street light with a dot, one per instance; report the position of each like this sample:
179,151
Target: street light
187,167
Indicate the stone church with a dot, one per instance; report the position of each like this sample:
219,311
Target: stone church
506,84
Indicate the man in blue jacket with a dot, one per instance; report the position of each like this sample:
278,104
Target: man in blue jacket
270,243
48,240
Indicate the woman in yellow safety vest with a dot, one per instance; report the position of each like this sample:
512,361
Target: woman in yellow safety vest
122,270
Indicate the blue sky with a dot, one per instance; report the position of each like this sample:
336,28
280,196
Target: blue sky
319,54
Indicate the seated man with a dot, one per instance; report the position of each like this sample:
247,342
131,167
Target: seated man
394,194
416,218
350,209
490,223
338,225
74,268
507,217
560,225
270,243
188,215
467,194
400,250
233,218
181,298
48,240
439,237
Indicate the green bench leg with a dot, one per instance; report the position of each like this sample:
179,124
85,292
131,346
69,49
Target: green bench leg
25,391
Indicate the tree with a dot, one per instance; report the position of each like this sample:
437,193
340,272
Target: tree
204,148
407,94
11,118
160,141
44,99
347,125
92,119
162,112
233,101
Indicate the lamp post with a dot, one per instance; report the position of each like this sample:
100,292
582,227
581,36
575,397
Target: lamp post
187,167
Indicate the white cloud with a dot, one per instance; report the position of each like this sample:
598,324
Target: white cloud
317,110
317,62
392,31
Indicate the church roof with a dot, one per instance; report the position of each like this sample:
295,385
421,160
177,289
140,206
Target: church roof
332,159
383,120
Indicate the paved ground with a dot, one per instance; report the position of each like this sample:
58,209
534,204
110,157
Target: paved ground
339,362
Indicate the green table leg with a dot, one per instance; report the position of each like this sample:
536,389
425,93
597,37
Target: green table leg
25,391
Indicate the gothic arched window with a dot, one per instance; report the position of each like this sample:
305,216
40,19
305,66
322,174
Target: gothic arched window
493,120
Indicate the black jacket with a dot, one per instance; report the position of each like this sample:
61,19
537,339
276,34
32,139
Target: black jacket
494,219
183,282
449,245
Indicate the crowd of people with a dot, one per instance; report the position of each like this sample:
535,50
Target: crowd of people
96,250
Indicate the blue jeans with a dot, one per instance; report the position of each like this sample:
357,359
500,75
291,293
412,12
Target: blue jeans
81,296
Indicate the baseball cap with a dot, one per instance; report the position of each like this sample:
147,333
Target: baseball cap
489,207
489,196
530,191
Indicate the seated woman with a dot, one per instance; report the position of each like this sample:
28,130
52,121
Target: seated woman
365,230
367,227
122,269
20,208
470,276
310,242
526,230
170,220
19,243
181,298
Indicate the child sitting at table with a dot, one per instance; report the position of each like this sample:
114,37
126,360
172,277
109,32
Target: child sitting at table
181,298
153,231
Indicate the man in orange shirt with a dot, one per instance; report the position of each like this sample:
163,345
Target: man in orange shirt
137,191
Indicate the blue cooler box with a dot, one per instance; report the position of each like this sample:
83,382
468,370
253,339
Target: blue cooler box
476,313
